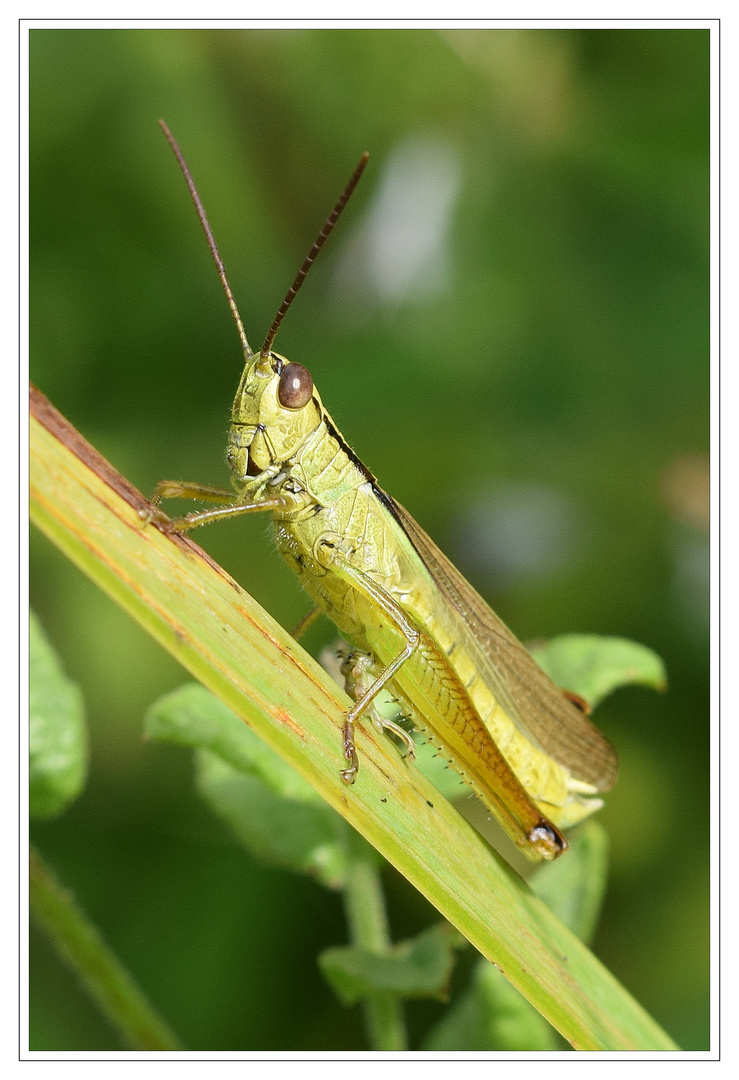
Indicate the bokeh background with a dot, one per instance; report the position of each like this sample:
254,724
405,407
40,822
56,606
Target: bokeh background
510,327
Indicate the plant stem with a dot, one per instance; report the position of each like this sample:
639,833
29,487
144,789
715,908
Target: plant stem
80,944
364,903
224,639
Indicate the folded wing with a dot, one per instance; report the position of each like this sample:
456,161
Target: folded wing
536,705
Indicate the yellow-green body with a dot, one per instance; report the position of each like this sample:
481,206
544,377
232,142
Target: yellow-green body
436,685
330,493
423,634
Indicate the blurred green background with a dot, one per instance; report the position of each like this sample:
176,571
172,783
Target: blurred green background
510,327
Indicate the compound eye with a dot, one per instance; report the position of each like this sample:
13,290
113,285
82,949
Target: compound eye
296,386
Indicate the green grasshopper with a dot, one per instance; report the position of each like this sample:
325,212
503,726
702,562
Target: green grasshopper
418,630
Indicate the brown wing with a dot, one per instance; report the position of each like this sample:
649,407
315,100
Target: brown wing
538,707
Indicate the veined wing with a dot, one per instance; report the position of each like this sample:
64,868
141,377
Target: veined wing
537,706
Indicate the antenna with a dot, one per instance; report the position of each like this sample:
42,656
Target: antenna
209,237
311,256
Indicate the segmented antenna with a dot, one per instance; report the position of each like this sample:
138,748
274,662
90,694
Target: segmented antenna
209,237
311,256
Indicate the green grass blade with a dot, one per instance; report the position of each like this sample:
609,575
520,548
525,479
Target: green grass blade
219,634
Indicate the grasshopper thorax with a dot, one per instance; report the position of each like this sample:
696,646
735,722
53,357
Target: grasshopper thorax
275,411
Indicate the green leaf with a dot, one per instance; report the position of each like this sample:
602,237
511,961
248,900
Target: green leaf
418,967
274,813
306,837
58,740
192,716
594,666
491,1015
574,887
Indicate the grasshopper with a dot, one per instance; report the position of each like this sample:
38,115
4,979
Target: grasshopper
416,627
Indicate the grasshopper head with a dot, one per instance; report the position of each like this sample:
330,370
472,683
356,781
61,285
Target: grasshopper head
275,410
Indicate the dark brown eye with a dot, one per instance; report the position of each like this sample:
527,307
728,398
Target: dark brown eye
296,386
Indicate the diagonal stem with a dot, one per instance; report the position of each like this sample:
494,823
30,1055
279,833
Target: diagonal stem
81,946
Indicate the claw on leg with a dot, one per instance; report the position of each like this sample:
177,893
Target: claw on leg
350,753
153,514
